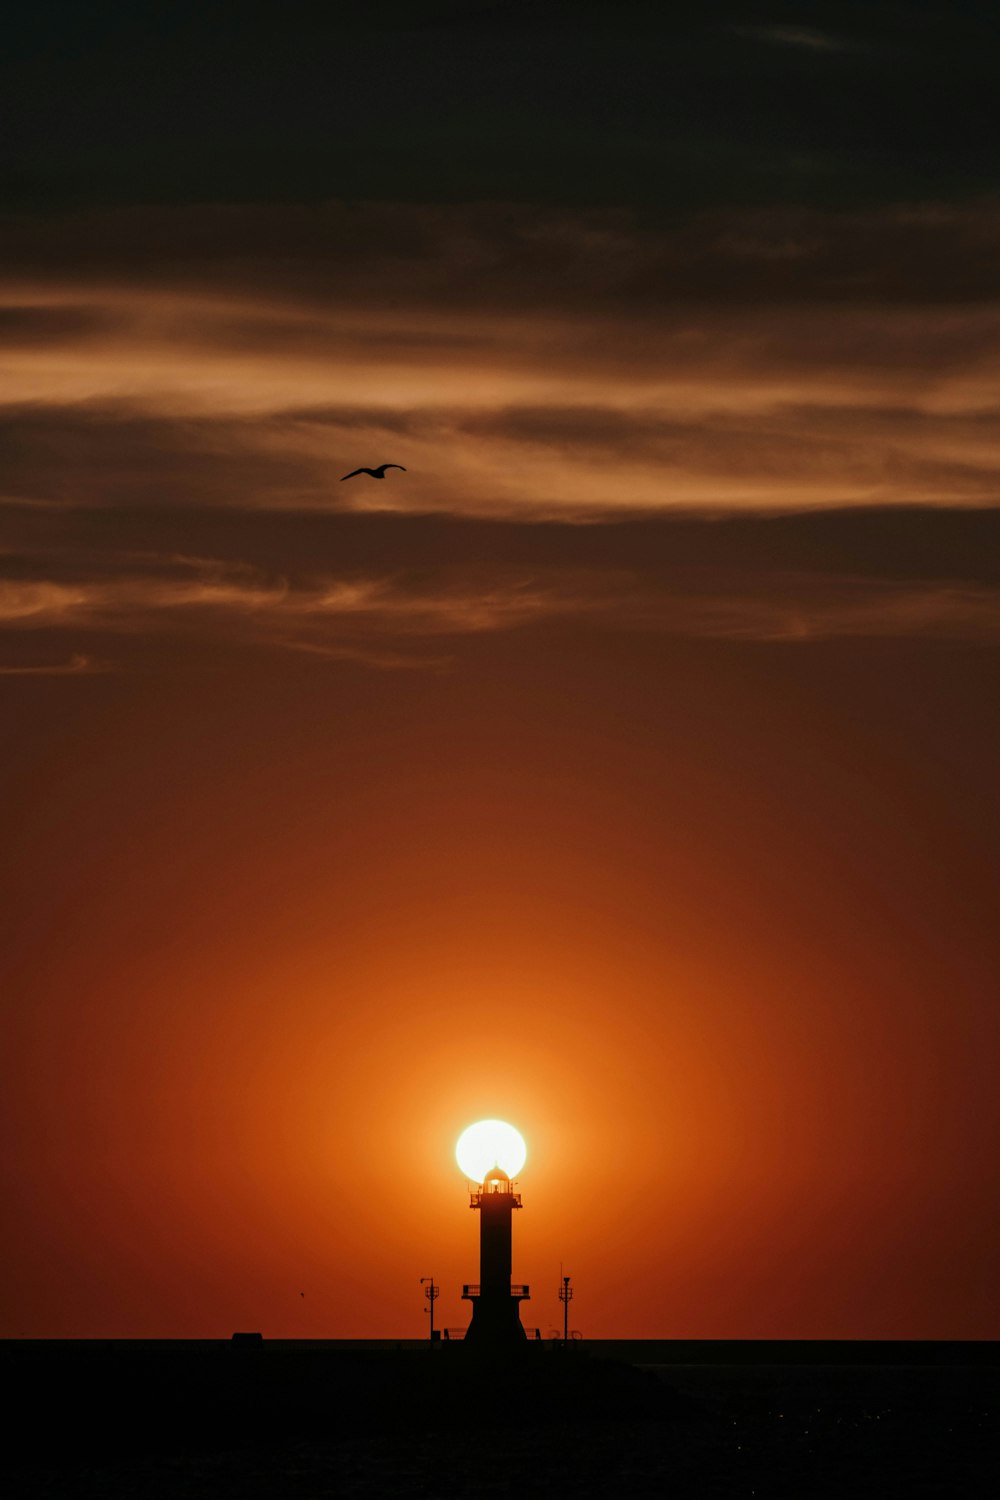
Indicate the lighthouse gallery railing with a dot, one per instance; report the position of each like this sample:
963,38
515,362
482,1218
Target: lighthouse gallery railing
521,1291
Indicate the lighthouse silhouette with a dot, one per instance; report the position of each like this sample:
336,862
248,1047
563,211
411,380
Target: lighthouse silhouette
496,1316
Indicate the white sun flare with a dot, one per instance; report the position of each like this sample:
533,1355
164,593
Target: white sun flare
489,1144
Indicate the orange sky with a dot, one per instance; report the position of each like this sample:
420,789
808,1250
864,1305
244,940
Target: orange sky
625,768
705,929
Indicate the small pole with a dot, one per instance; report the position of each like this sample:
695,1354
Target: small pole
432,1293
565,1297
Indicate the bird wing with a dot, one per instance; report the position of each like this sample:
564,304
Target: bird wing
393,466
352,474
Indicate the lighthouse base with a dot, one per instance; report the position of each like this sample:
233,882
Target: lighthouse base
496,1322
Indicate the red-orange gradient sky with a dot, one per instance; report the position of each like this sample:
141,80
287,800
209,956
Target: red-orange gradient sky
625,768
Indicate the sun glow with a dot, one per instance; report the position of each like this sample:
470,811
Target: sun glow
488,1144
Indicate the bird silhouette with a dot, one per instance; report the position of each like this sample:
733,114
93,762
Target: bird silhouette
376,473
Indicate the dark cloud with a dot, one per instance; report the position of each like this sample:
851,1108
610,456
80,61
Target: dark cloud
562,263
113,453
482,256
547,101
898,543
41,325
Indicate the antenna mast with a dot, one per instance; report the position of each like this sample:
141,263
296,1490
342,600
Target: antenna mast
565,1297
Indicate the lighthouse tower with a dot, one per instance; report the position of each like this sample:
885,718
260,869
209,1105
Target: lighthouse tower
496,1318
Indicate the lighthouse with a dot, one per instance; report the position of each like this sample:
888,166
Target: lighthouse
490,1153
496,1303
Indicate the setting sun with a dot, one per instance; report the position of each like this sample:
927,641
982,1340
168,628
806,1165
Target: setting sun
488,1144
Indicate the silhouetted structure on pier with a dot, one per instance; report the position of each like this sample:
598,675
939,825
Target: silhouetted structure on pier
496,1317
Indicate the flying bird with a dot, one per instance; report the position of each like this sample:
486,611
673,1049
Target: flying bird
376,473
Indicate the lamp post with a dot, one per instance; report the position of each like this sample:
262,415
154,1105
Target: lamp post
432,1293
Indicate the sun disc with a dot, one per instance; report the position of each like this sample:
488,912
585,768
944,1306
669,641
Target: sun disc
489,1144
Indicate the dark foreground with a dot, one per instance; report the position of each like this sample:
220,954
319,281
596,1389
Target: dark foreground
322,1419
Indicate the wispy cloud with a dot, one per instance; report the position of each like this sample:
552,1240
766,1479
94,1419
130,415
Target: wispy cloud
577,455
40,601
177,385
419,618
807,37
844,608
78,665
516,361
127,602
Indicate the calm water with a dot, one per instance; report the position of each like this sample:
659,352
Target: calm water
759,1431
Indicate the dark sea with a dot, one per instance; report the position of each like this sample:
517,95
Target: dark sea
672,1420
